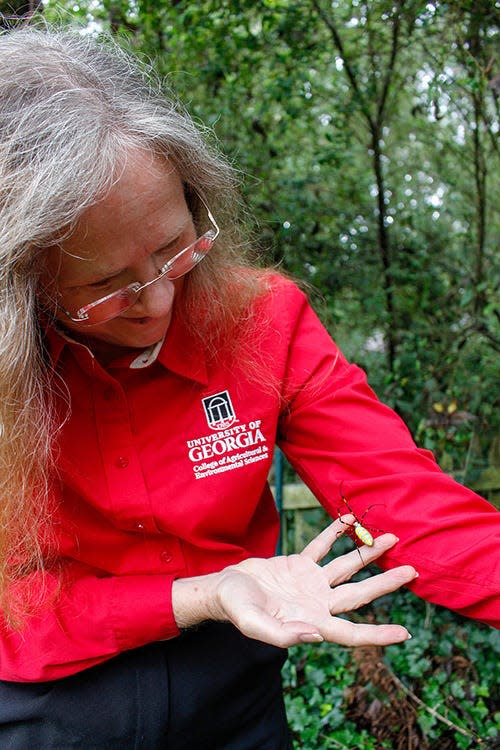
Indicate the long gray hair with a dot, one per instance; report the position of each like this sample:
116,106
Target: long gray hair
70,108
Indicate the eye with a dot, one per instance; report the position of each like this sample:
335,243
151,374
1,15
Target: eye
167,252
102,283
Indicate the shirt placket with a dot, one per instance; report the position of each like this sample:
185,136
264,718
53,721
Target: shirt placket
128,494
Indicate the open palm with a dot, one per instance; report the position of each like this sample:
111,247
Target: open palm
291,599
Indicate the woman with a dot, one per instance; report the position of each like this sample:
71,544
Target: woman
147,372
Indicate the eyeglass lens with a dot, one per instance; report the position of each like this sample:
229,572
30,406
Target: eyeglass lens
114,304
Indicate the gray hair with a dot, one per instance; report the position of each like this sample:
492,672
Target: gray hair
70,109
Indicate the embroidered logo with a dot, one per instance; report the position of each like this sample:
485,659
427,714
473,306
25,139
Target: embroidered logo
231,444
219,411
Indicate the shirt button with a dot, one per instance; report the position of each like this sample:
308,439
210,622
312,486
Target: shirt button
165,556
121,462
139,526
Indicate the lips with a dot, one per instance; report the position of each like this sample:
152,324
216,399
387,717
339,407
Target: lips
146,320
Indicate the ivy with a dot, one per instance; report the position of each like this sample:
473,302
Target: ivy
438,691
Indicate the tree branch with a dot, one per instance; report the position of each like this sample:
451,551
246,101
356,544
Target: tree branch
392,61
330,25
432,711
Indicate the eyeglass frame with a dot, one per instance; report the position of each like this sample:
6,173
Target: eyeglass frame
136,287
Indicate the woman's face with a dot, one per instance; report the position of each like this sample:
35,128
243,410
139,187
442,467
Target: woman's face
127,237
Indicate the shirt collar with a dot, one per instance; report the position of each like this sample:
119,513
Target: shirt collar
55,340
183,353
180,352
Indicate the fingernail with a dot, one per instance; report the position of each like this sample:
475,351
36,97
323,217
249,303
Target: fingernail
311,638
409,636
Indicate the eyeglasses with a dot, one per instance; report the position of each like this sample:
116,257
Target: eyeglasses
109,307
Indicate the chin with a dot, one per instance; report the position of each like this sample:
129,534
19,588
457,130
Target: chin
134,333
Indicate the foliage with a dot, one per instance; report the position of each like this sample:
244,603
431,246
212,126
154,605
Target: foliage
366,134
402,697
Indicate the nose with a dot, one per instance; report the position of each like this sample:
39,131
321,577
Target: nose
156,299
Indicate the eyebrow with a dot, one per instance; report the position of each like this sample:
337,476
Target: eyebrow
109,273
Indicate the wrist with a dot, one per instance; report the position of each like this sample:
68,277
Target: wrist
196,599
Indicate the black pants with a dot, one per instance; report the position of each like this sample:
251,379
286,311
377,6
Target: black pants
210,689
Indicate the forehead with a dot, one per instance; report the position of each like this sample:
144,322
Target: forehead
144,210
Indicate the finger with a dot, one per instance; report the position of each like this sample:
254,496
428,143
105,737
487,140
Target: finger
351,596
344,567
262,626
321,545
346,633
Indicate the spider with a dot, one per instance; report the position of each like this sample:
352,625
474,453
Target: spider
359,533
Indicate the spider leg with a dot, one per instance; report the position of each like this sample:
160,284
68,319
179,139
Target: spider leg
344,500
374,505
350,532
346,523
360,555
374,528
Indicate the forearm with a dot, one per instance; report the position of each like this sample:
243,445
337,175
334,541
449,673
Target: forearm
343,442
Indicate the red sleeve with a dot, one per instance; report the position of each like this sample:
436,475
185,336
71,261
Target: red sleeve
334,430
84,620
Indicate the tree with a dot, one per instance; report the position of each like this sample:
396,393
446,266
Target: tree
366,133
13,11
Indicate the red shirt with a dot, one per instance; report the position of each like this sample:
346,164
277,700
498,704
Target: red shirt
163,474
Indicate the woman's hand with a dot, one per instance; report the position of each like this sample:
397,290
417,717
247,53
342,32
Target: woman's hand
292,599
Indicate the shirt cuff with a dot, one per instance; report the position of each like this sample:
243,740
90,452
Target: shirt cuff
141,610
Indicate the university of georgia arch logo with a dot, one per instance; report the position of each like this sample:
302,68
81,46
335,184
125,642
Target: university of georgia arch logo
219,410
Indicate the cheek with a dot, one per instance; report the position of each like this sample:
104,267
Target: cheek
79,332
